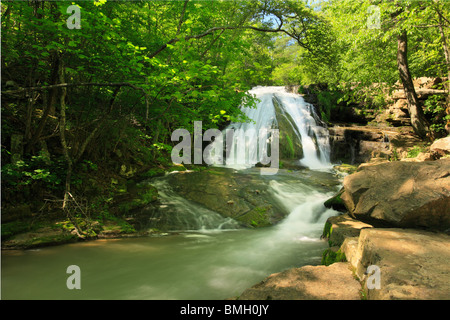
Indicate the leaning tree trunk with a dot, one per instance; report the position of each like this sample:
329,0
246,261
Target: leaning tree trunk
418,121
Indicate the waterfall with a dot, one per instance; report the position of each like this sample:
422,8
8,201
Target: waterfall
244,149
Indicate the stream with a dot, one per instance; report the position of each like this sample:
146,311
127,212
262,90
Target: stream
201,264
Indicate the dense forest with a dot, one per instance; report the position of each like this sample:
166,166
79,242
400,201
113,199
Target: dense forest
92,90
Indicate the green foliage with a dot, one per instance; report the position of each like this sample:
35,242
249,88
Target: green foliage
329,256
12,228
360,60
435,106
414,152
328,102
181,66
35,170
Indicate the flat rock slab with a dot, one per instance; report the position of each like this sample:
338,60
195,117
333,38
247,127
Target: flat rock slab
413,264
335,282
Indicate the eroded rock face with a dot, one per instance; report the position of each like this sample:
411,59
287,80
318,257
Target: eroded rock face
335,282
401,194
358,144
413,264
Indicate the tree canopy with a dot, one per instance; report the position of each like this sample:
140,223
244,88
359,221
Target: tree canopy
134,71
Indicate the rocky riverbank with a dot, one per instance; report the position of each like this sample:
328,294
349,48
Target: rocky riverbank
390,242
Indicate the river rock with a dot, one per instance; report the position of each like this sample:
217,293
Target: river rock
334,282
401,194
412,264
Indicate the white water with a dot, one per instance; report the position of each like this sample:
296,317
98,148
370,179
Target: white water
189,216
244,151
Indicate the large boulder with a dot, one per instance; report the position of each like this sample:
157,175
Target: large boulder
335,282
440,147
401,194
411,264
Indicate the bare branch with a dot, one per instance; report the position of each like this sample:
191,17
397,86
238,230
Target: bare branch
69,85
212,30
182,17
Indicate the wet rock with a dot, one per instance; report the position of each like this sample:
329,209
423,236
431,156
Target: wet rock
290,145
211,188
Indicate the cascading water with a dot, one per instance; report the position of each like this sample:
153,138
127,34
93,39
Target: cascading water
244,149
314,136
177,213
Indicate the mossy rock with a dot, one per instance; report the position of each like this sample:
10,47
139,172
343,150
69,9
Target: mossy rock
50,240
116,228
332,255
176,168
137,196
336,202
44,236
346,168
290,146
152,173
327,230
257,217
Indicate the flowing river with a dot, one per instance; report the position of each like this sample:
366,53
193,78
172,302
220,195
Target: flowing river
213,259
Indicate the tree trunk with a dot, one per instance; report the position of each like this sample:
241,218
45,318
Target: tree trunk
51,101
447,61
62,135
418,121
